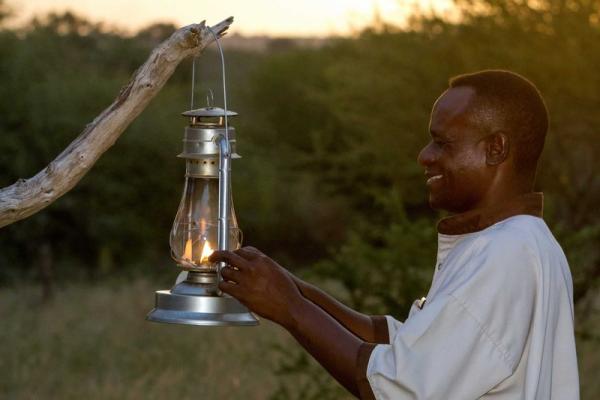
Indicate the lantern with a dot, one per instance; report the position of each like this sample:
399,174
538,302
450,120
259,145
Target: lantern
205,220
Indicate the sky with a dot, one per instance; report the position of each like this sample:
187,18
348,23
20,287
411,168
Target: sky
252,17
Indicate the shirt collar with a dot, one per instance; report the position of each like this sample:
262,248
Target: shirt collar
479,219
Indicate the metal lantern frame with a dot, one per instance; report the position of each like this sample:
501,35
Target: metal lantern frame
197,300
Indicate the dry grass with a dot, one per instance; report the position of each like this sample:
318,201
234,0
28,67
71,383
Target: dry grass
92,342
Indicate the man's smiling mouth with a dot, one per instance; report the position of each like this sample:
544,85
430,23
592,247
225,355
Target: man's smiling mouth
434,178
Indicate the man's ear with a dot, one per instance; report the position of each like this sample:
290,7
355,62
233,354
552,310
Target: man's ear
497,148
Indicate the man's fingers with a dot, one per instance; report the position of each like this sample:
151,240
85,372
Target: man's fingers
231,274
229,257
249,253
230,288
253,249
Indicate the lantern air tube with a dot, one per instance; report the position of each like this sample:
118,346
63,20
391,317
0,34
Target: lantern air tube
224,184
224,206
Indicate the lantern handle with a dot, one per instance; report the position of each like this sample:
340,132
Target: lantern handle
193,82
224,81
218,42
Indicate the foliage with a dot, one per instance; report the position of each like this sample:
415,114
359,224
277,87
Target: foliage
328,185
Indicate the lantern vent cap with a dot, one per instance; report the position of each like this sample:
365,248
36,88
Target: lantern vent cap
208,112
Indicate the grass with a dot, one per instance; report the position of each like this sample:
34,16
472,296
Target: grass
92,342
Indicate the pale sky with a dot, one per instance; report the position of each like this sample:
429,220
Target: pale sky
252,17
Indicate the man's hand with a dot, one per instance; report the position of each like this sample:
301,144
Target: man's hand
269,290
261,284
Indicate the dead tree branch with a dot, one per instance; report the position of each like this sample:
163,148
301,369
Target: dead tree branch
28,196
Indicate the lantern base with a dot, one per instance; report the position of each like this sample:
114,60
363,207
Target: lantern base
193,303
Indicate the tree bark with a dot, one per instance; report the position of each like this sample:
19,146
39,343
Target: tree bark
28,196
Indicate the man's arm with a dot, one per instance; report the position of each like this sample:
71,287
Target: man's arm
333,346
369,328
267,289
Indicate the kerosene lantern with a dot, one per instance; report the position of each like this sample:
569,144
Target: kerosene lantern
205,221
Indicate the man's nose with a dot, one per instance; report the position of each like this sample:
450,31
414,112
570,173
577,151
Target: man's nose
427,155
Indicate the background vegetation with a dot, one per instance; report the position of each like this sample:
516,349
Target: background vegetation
328,186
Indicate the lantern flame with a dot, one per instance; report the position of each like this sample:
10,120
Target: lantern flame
187,253
207,250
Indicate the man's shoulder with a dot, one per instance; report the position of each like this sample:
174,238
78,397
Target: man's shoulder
517,234
518,247
512,248
522,223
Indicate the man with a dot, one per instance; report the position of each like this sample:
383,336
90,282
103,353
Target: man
497,322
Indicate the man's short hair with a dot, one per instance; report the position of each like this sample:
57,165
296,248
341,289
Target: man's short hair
516,106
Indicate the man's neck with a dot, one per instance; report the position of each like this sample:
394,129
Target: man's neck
482,217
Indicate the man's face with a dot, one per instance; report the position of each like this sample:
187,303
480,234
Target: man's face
455,158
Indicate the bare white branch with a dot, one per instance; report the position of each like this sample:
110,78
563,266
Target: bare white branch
28,196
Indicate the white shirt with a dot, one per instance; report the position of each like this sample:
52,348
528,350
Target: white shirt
497,323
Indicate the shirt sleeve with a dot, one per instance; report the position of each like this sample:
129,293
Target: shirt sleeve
392,326
441,353
463,342
384,328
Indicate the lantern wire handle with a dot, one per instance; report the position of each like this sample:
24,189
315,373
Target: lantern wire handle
224,80
193,82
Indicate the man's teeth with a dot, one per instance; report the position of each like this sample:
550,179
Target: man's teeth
434,178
